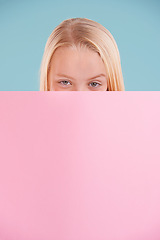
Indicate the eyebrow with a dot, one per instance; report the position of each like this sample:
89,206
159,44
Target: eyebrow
99,75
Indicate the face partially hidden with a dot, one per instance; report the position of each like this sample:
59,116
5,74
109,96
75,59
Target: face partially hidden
79,69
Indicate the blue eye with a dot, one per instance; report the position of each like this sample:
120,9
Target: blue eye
95,83
63,82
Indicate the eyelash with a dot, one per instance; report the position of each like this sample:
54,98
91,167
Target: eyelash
69,82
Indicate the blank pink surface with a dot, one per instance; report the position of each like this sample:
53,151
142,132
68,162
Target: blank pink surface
79,165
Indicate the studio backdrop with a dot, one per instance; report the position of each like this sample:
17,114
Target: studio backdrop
26,25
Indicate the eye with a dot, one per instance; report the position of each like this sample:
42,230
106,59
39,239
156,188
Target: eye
64,82
95,84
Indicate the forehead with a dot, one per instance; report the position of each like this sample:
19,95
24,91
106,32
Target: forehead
74,60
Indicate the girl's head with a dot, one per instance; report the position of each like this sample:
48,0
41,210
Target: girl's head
81,55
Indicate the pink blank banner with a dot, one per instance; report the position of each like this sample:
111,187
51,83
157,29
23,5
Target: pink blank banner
79,165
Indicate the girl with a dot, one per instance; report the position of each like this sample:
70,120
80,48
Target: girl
81,55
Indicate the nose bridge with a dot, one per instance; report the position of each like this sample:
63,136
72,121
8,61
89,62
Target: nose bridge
80,85
81,88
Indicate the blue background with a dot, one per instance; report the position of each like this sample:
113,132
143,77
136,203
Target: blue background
26,25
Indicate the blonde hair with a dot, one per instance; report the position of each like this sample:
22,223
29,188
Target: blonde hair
84,32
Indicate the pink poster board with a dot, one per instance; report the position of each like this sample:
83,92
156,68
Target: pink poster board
79,165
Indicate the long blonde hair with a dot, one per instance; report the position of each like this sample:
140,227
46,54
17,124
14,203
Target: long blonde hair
84,32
